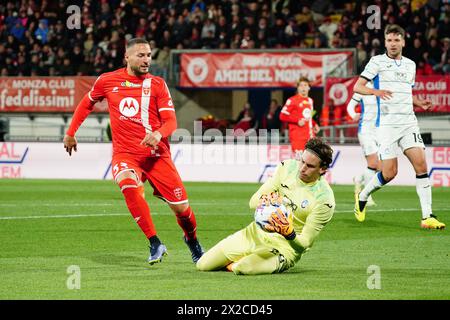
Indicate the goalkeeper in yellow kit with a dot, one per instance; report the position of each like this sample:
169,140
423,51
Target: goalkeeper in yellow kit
305,193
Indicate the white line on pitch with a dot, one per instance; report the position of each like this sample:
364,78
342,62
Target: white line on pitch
65,216
127,214
159,203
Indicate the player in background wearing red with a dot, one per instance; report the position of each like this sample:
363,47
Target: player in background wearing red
142,118
297,113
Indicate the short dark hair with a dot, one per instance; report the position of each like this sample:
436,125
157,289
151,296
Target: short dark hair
394,28
135,41
322,150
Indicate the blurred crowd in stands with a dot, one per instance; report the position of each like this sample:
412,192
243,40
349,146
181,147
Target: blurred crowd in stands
35,38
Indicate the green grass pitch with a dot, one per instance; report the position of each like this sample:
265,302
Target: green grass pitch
48,225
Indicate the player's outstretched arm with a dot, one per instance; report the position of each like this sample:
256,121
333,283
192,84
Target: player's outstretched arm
83,109
351,107
360,87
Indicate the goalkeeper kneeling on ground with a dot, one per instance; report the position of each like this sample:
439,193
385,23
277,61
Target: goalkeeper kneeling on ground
292,207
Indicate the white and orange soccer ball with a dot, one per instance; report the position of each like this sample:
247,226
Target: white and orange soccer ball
263,213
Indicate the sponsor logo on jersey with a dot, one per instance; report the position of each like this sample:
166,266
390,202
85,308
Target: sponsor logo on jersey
130,84
115,89
307,113
304,103
401,76
289,203
129,107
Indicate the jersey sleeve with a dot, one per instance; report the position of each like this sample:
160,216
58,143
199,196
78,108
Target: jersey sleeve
164,100
83,109
371,69
315,222
271,184
86,105
287,113
166,111
97,91
354,101
413,81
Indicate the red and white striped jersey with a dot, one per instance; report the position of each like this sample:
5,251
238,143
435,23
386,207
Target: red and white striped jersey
137,105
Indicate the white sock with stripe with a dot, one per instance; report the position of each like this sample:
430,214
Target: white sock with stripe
423,188
374,184
368,175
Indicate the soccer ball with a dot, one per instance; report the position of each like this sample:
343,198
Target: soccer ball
262,214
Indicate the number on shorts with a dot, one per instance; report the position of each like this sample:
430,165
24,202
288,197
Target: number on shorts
123,165
417,137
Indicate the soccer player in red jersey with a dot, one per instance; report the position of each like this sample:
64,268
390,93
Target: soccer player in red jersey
298,112
142,118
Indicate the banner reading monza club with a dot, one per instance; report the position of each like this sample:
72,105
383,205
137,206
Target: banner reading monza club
259,70
45,94
435,88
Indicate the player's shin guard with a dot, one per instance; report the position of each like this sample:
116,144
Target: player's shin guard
138,206
423,188
186,220
368,175
374,184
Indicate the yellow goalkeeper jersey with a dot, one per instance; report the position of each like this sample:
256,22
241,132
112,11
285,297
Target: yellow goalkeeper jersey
312,204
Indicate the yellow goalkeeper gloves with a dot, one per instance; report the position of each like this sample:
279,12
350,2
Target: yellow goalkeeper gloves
280,224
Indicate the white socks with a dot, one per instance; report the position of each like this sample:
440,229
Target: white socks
368,174
423,188
374,184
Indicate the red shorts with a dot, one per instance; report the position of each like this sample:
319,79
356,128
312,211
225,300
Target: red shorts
159,171
298,144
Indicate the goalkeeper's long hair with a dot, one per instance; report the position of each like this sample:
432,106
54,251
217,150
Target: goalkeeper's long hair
322,150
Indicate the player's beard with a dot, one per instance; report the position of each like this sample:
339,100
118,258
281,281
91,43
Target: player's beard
137,71
395,53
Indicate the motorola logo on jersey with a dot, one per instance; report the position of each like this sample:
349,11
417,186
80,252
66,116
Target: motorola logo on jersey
129,107
197,70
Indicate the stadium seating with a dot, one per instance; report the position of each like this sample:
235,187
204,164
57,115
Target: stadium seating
34,39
